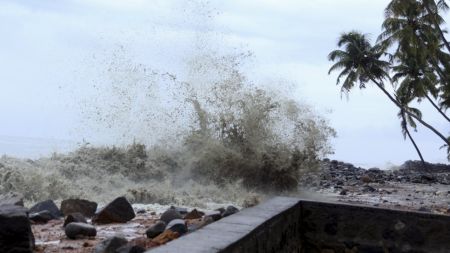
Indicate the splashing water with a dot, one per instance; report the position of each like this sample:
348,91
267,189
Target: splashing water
205,134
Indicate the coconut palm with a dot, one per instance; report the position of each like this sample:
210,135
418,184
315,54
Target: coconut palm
406,120
432,7
417,80
360,63
408,26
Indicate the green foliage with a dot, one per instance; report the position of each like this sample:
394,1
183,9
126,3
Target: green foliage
413,48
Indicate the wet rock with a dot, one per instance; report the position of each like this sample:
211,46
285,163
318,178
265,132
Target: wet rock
11,198
110,245
141,211
366,179
178,226
215,215
368,188
41,217
76,230
194,214
47,205
74,217
85,207
15,230
343,192
130,249
180,210
167,236
229,211
156,229
221,210
424,209
118,211
169,215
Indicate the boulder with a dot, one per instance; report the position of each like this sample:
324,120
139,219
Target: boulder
167,236
229,211
11,198
47,205
85,207
181,210
15,230
74,217
156,229
215,215
130,249
41,217
178,226
194,214
118,211
76,230
110,245
169,215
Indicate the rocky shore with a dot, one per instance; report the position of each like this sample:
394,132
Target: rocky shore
80,225
412,186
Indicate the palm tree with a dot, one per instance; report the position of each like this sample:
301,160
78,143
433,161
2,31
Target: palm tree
417,81
433,9
418,44
406,120
360,63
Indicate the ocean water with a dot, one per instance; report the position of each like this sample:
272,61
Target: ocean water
32,147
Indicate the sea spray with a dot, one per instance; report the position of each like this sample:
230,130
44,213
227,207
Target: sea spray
234,141
204,132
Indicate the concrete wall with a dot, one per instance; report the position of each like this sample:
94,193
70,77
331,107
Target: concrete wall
294,225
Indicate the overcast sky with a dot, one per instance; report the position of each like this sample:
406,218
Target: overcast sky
50,53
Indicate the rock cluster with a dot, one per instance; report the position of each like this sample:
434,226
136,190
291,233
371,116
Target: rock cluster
335,174
16,224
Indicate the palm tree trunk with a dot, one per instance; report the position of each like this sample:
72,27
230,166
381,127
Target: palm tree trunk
401,107
412,140
437,108
441,33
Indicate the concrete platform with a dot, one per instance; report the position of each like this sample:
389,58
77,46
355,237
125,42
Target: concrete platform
294,225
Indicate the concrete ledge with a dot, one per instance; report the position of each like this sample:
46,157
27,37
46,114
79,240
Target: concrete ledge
254,229
294,225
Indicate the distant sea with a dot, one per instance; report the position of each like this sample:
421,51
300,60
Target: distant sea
29,147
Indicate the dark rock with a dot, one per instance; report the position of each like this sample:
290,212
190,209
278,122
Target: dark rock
41,217
74,217
178,226
424,209
368,188
229,211
180,210
85,207
194,214
130,249
48,205
169,215
156,229
215,215
221,210
11,198
343,192
110,245
15,230
76,230
141,211
118,211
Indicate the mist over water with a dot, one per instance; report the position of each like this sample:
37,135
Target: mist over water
205,132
